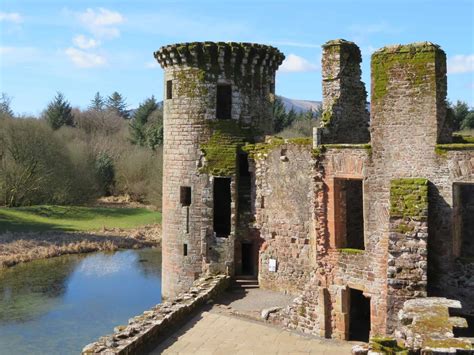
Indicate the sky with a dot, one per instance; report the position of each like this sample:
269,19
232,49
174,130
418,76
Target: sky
80,47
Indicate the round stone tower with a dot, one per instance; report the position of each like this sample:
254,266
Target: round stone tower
218,97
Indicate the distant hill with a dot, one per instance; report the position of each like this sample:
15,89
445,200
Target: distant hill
300,105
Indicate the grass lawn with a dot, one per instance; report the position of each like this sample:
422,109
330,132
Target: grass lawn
74,218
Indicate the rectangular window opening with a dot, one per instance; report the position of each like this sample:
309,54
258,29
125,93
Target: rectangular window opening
185,249
349,213
222,209
463,209
185,196
224,102
169,89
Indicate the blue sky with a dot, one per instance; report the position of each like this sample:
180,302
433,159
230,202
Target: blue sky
80,47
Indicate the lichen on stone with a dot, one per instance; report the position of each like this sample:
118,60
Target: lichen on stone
409,198
351,251
221,151
416,56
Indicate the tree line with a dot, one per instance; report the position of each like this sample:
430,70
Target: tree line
73,156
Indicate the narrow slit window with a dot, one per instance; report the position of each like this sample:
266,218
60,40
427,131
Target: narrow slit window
185,196
464,219
185,249
169,89
349,209
224,102
222,209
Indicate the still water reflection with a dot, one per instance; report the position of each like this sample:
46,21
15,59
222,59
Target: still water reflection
56,306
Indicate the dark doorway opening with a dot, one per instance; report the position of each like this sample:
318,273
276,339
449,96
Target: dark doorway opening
464,218
244,185
222,201
247,259
224,102
465,332
349,208
359,316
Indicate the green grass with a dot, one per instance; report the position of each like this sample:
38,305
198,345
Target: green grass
74,218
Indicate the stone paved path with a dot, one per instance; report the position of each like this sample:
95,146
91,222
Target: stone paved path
212,332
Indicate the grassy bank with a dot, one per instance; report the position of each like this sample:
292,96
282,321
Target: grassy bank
74,218
37,232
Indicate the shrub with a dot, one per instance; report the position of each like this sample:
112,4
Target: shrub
138,174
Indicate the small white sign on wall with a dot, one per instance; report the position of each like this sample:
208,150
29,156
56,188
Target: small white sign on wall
272,265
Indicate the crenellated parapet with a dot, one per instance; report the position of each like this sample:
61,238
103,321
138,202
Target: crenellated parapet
229,57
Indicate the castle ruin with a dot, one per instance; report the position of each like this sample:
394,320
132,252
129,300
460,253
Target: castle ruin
374,210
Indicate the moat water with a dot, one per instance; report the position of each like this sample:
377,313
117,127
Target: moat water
58,305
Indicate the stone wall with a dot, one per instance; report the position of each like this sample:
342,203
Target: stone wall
282,207
199,146
407,125
143,332
301,198
345,117
407,275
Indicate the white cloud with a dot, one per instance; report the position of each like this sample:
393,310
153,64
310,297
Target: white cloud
84,42
461,64
102,22
152,65
84,59
294,63
10,17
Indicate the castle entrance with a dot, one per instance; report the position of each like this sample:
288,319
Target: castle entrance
359,316
248,259
222,209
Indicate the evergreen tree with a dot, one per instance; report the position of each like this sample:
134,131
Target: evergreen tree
105,171
291,117
5,109
97,103
460,111
140,119
59,112
468,122
279,115
116,102
154,129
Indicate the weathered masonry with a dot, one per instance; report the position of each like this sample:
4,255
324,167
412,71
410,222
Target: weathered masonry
218,97
375,210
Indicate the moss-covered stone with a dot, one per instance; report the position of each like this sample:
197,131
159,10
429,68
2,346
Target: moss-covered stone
300,141
418,57
207,56
191,83
351,251
409,198
260,150
462,138
404,228
442,149
222,148
366,146
387,346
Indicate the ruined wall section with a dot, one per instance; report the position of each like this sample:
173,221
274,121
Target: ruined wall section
345,117
282,205
407,275
199,147
408,119
449,274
